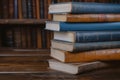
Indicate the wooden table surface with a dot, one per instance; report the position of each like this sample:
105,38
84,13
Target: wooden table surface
36,68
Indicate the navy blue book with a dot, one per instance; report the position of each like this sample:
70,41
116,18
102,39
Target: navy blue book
29,9
16,9
84,7
66,26
87,36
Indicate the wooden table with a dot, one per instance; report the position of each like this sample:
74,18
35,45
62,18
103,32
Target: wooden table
36,68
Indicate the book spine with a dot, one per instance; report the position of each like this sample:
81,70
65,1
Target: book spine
8,38
89,26
97,36
94,18
95,46
17,37
29,36
45,9
24,37
11,9
34,37
39,38
29,9
49,15
20,9
44,38
102,55
95,8
16,9
37,9
1,12
34,9
24,8
5,9
42,15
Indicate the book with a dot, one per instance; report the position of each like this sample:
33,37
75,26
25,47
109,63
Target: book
5,9
20,9
76,68
11,8
79,47
16,9
34,9
87,36
42,10
66,26
29,9
84,7
86,17
86,56
24,9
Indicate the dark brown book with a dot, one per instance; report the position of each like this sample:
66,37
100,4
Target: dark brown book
34,9
29,36
5,9
24,37
39,38
49,15
11,9
8,38
20,9
48,33
17,37
42,9
44,39
45,9
37,9
86,17
24,8
34,37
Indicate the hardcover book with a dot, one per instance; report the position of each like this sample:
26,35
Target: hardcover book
79,47
67,26
87,36
76,68
84,7
87,56
86,17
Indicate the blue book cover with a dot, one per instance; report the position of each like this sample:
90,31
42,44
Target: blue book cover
87,36
65,26
84,7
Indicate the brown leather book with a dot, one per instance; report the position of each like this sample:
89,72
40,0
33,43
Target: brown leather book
87,56
23,37
39,37
34,9
11,9
20,9
49,15
87,17
37,9
17,37
5,9
29,36
48,33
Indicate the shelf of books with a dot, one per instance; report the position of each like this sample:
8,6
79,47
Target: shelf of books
22,24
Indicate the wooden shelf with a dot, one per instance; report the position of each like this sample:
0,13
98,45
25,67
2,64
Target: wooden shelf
23,21
23,52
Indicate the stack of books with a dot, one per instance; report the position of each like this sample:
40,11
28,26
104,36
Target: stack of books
85,35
